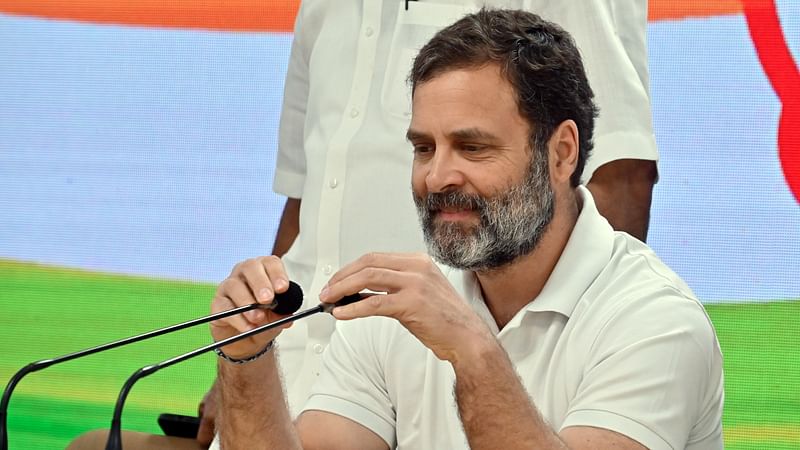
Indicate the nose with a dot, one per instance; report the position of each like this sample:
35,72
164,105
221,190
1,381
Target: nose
443,172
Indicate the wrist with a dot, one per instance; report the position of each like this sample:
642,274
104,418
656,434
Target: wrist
477,351
245,359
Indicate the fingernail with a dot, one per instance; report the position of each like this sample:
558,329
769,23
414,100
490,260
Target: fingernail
340,313
265,294
280,283
323,294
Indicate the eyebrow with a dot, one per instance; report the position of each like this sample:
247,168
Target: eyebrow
467,134
463,134
414,135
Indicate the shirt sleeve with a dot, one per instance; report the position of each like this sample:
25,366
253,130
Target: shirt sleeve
290,166
612,38
618,71
655,375
352,383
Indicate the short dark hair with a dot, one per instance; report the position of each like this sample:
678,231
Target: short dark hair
537,57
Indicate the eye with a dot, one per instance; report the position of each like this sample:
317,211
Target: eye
473,148
422,149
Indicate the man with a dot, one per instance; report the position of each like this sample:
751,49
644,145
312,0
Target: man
343,157
550,329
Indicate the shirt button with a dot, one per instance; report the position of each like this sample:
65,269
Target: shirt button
327,269
368,32
333,183
354,113
318,348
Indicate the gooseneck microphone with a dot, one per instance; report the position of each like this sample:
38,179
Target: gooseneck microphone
284,303
115,434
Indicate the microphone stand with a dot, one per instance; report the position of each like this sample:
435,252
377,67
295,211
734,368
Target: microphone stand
39,365
115,434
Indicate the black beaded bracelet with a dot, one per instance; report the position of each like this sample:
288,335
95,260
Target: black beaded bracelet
249,358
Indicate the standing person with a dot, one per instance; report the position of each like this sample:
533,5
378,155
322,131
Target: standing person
546,329
343,162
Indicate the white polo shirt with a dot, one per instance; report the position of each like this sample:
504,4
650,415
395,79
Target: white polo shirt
615,340
346,108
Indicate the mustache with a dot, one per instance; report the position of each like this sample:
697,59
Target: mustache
454,199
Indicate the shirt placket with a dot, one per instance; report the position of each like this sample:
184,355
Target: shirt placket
333,186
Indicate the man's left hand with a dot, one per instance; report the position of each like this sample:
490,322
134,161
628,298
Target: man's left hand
418,295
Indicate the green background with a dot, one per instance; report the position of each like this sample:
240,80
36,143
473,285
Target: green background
48,312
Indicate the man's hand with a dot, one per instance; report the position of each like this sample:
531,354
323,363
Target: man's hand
207,410
287,232
251,281
418,295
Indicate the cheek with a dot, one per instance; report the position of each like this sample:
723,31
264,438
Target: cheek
418,185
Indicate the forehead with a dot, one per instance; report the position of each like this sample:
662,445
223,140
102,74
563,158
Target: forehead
473,98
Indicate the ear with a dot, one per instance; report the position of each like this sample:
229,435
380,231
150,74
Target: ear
563,152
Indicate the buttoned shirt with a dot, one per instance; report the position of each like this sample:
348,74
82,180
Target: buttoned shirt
615,340
342,146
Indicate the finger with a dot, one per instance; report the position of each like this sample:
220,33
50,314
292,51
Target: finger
371,278
374,305
237,291
241,294
255,278
273,266
238,322
205,434
392,261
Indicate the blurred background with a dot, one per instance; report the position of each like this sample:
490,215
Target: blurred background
137,145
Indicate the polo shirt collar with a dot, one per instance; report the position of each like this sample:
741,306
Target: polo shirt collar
587,252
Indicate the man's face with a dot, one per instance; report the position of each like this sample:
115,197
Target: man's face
483,198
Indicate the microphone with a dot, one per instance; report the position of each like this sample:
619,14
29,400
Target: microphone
283,304
115,434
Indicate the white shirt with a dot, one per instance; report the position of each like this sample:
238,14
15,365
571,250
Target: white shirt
615,340
346,108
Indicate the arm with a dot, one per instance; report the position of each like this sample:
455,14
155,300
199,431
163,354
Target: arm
289,174
495,408
253,412
623,187
621,171
497,413
288,229
622,190
252,408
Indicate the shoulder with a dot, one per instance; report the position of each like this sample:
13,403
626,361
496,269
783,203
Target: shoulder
646,344
638,298
634,271
311,17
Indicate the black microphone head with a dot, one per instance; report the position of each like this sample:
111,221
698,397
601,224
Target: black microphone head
290,301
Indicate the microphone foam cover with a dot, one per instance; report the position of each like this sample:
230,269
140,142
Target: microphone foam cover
290,301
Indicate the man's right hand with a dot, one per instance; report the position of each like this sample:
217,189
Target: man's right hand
253,280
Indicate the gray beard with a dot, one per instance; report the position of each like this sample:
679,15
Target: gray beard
511,224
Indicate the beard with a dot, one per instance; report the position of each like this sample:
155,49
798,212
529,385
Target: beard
511,223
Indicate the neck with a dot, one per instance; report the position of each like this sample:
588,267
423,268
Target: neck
508,289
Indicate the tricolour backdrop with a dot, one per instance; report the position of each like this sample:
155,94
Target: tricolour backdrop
137,145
